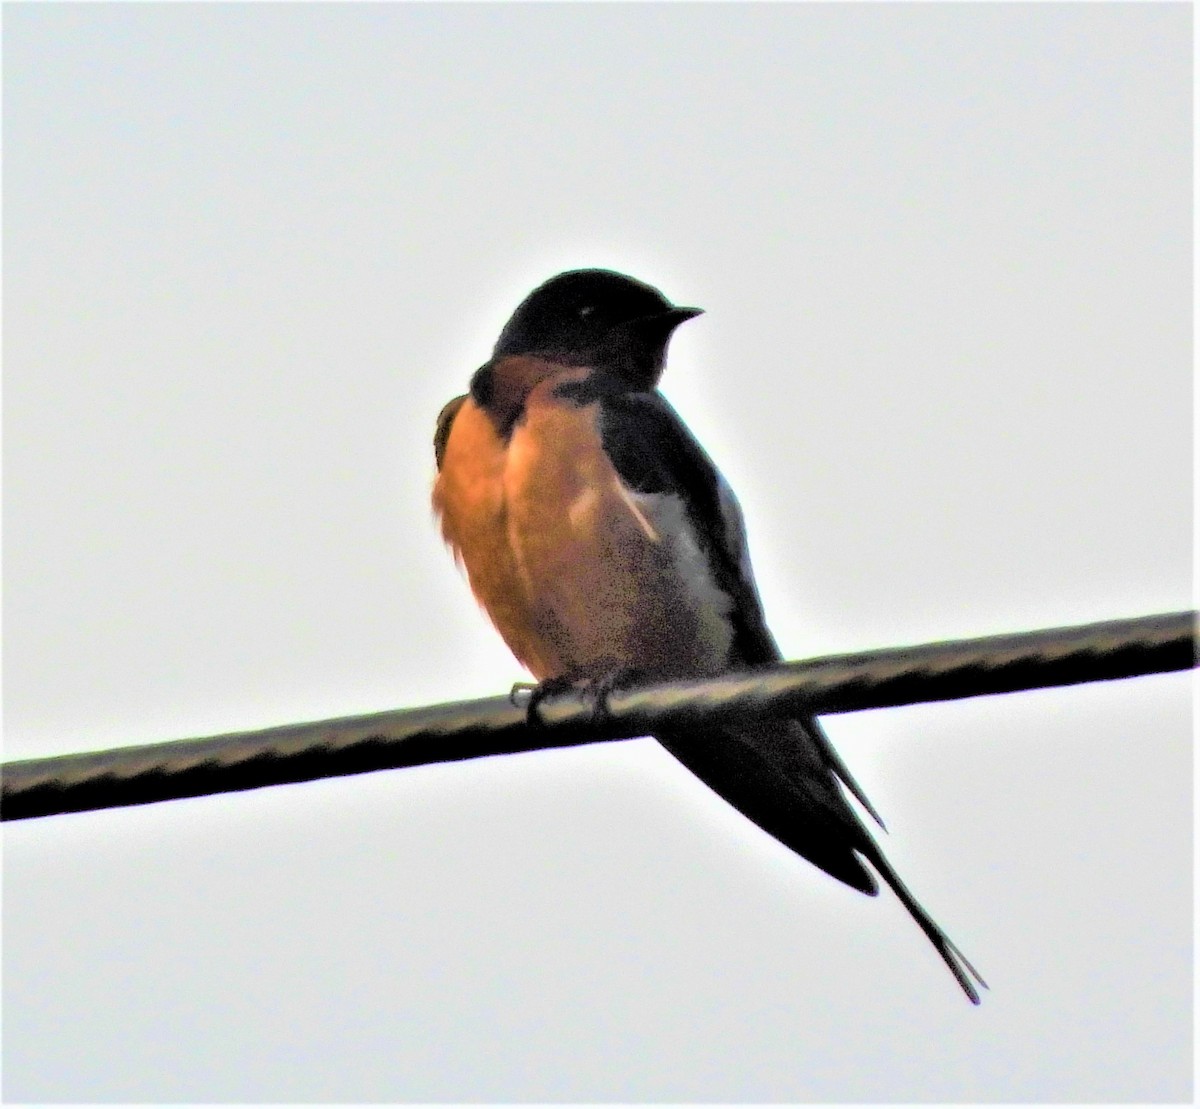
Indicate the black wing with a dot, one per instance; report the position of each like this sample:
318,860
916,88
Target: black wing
781,774
654,452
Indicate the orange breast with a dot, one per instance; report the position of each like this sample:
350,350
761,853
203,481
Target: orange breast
469,497
577,573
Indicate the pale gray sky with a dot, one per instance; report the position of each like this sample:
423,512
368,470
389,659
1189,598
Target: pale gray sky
250,250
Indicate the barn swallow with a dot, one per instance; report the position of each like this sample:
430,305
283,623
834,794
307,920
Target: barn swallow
601,540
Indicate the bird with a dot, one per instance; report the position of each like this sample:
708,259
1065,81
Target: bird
607,548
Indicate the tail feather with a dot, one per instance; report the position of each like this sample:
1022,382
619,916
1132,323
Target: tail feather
813,725
960,966
807,814
787,779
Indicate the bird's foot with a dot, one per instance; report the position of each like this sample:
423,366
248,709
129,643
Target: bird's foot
595,691
532,694
600,689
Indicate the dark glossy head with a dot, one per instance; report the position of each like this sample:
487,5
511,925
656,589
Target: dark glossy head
596,318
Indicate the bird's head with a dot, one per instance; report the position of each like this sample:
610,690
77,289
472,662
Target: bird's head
596,318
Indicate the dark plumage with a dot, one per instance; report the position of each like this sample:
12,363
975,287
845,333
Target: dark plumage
600,537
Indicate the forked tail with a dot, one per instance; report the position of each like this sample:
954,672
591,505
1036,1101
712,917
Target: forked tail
960,966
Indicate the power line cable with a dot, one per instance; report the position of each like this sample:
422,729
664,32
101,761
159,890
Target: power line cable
495,725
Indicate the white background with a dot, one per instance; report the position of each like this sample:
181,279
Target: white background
250,250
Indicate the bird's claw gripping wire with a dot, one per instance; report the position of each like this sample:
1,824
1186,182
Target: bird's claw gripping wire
594,691
534,693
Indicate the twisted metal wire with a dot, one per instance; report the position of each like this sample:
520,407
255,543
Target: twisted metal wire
495,725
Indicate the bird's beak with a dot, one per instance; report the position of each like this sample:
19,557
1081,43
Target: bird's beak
662,324
682,315
659,327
